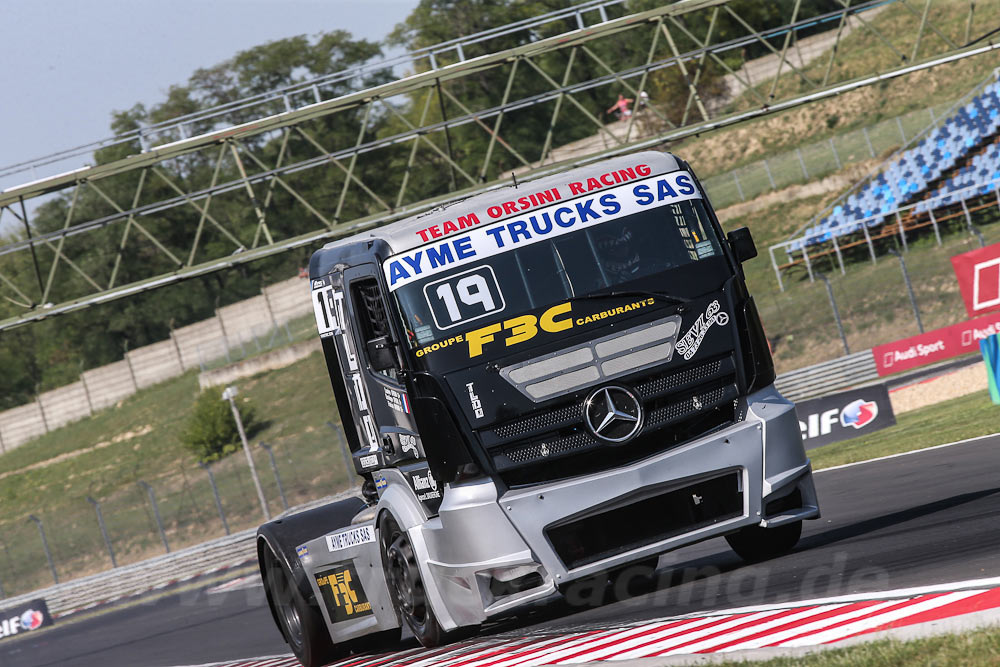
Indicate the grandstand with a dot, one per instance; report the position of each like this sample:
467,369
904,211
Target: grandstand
946,176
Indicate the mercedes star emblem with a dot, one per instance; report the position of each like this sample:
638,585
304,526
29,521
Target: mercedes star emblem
613,414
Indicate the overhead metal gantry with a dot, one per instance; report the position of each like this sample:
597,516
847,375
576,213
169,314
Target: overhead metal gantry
321,88
145,201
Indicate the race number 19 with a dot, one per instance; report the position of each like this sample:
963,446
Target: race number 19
464,297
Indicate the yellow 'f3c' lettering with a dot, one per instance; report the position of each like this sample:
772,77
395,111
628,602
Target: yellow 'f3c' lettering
522,328
479,337
549,322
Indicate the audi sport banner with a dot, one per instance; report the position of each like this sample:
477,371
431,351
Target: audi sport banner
978,273
15,621
936,345
844,415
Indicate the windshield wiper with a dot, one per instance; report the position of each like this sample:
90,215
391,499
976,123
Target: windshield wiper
668,298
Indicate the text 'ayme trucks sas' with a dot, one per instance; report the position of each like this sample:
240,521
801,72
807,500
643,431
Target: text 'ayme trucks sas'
540,384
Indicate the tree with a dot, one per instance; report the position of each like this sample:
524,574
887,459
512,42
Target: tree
211,432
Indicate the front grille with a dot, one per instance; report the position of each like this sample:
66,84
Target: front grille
680,405
646,521
542,421
696,403
665,383
537,451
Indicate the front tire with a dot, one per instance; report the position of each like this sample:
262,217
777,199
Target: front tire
300,622
406,586
755,544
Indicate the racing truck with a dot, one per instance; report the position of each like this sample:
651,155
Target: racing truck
540,384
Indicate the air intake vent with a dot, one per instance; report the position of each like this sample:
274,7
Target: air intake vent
596,361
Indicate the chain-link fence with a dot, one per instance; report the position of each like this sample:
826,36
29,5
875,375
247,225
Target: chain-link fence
256,341
879,297
819,159
187,505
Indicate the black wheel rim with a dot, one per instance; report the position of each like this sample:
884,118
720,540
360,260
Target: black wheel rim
287,612
405,583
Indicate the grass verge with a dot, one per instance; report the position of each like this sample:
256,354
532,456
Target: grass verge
960,418
972,649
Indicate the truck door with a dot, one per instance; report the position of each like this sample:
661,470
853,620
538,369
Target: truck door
390,432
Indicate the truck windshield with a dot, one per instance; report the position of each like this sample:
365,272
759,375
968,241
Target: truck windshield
519,278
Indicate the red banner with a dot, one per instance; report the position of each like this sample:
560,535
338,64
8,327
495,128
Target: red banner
978,274
937,345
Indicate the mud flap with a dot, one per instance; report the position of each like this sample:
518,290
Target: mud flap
345,573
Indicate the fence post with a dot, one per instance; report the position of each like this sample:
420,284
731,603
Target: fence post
131,371
177,347
902,232
968,221
802,163
348,461
770,178
86,391
156,512
222,328
836,156
909,287
868,140
267,302
836,312
215,492
902,134
739,188
805,256
104,530
937,232
45,546
277,477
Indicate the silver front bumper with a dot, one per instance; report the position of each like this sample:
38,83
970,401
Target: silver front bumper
478,535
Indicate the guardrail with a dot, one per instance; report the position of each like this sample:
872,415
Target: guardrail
827,376
155,573
237,549
142,577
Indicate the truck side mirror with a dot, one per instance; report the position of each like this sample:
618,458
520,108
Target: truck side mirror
742,244
380,354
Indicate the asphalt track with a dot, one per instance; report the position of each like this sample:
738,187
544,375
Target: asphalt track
923,518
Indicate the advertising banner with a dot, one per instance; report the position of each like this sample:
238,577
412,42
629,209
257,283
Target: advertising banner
23,618
978,273
844,415
932,346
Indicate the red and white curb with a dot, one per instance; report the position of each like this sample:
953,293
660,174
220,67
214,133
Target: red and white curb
238,584
798,624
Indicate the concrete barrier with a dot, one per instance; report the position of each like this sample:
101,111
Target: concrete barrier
284,356
200,342
109,384
246,324
65,404
20,424
288,299
155,363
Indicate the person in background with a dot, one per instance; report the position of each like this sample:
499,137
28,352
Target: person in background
643,101
622,107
